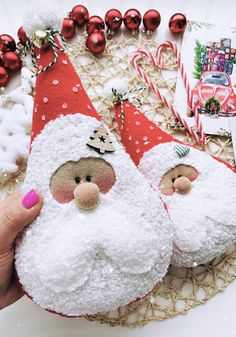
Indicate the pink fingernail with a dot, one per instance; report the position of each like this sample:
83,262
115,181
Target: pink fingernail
30,199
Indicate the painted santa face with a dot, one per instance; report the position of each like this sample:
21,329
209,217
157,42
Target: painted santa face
204,218
83,260
82,180
178,180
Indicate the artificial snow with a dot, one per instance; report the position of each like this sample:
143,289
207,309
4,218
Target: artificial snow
15,124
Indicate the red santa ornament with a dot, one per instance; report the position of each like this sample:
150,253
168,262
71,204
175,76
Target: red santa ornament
103,238
198,190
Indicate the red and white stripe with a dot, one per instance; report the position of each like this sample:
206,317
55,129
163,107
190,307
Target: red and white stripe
158,61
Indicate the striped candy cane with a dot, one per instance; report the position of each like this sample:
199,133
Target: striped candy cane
159,62
191,105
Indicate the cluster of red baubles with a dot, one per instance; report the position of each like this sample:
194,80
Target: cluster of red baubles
95,25
9,59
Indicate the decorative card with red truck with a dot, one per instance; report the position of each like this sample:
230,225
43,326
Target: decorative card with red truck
208,54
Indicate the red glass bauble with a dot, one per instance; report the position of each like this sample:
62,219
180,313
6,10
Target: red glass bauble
22,35
68,28
95,24
96,42
7,43
132,19
79,15
4,77
11,61
151,20
177,23
113,19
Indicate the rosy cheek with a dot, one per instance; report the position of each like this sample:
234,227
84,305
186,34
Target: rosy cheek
167,191
63,194
192,175
105,183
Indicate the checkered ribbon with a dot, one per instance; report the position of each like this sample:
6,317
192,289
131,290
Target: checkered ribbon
55,48
119,98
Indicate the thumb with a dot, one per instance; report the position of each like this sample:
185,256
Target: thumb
15,214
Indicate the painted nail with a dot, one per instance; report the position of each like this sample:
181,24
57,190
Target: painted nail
30,199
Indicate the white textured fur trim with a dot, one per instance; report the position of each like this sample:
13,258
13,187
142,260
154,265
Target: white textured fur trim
204,220
77,282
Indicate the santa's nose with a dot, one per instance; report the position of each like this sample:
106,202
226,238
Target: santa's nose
86,195
182,185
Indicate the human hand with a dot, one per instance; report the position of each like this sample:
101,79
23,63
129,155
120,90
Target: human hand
15,214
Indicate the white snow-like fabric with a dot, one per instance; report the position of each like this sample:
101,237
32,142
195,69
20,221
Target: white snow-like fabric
78,262
42,15
15,123
116,83
204,220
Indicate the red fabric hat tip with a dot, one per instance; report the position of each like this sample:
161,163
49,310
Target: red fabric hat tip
138,133
58,91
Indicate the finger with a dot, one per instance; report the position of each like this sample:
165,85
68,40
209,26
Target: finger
18,214
5,202
12,294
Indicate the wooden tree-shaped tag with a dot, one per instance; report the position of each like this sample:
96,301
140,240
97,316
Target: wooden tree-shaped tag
100,141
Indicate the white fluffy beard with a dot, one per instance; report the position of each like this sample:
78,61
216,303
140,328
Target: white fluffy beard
204,219
78,262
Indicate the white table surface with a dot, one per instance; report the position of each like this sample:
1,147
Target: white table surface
216,318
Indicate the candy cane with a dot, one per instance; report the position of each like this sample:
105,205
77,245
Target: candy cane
192,106
159,62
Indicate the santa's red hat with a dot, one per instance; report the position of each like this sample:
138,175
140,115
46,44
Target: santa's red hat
143,140
58,91
138,133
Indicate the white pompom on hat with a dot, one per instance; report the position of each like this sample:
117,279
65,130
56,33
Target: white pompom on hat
41,15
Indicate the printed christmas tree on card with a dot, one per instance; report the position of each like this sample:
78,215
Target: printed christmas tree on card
103,238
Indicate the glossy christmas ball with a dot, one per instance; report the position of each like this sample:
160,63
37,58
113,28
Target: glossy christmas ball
68,28
96,42
113,19
11,61
7,43
151,20
132,19
177,23
4,77
79,15
95,24
22,35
